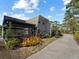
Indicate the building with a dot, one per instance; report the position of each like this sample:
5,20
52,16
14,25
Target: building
42,24
36,26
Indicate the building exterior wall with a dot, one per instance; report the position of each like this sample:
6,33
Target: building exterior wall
18,29
33,21
41,23
37,25
43,26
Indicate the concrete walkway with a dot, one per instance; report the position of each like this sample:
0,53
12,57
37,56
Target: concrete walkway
63,48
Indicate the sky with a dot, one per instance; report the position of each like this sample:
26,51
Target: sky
53,10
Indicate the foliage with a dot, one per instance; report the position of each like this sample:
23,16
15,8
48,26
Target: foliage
11,42
9,30
55,29
76,4
72,10
58,34
31,41
67,5
70,19
76,35
53,33
75,11
45,35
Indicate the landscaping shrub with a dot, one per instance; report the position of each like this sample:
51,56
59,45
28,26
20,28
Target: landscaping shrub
53,32
31,41
11,43
76,36
58,34
45,35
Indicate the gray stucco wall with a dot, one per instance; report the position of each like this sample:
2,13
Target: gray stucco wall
43,25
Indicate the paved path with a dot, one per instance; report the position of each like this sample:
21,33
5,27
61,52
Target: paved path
63,48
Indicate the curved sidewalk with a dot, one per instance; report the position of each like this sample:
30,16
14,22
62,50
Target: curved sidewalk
63,48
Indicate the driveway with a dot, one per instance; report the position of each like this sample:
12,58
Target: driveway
63,48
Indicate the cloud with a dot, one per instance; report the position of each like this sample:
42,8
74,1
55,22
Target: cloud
52,8
44,1
4,13
29,11
2,17
49,16
66,2
26,5
64,8
19,4
20,16
34,3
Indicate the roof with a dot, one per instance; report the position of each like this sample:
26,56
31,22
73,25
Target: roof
13,19
32,21
36,19
7,18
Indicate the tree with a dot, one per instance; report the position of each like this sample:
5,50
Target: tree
10,41
55,29
70,19
8,30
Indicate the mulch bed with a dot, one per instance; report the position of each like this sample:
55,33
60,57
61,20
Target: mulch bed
2,48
